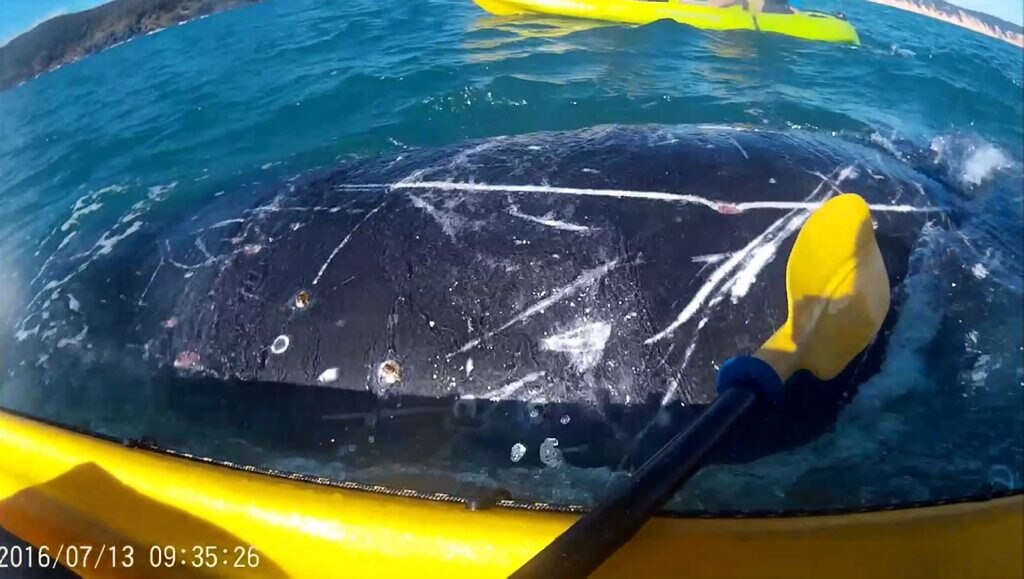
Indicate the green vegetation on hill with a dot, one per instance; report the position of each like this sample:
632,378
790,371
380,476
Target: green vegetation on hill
68,37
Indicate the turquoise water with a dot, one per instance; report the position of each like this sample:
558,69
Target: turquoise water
259,94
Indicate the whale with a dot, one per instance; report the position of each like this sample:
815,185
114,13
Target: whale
574,289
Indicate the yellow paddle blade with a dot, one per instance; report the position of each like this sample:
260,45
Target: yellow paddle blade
838,292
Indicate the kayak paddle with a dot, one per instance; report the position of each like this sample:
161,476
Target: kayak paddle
838,293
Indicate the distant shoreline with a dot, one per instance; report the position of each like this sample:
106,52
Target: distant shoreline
70,37
962,17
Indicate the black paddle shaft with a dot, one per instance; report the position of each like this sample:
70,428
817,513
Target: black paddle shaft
592,539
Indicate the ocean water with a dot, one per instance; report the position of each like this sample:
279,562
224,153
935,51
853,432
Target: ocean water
141,133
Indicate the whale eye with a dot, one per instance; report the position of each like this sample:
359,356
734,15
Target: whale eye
302,299
389,372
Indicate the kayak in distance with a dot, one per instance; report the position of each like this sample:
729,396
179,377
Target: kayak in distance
807,25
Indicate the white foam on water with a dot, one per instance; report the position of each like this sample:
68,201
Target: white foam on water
159,192
67,239
896,50
970,159
980,371
22,335
106,243
74,341
982,164
78,213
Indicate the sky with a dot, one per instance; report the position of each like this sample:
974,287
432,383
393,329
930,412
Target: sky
17,16
1009,10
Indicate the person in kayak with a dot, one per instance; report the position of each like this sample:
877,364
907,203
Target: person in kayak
758,6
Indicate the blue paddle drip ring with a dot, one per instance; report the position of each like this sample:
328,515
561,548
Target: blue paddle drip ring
753,373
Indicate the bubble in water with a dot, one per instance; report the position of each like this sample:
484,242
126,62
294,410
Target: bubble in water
533,410
518,452
565,419
1000,477
549,453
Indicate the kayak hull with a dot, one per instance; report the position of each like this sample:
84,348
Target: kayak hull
806,25
62,488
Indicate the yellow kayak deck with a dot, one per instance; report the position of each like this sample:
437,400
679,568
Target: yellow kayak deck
807,25
59,488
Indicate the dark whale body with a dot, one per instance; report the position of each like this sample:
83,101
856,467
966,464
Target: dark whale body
582,285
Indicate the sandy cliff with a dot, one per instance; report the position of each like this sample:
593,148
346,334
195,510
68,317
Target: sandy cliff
976,21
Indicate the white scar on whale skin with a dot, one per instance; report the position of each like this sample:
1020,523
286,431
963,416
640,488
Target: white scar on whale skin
220,224
753,257
709,258
584,344
345,241
744,279
509,389
618,193
724,207
449,222
210,260
156,270
671,392
585,279
547,221
738,146
759,258
713,281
